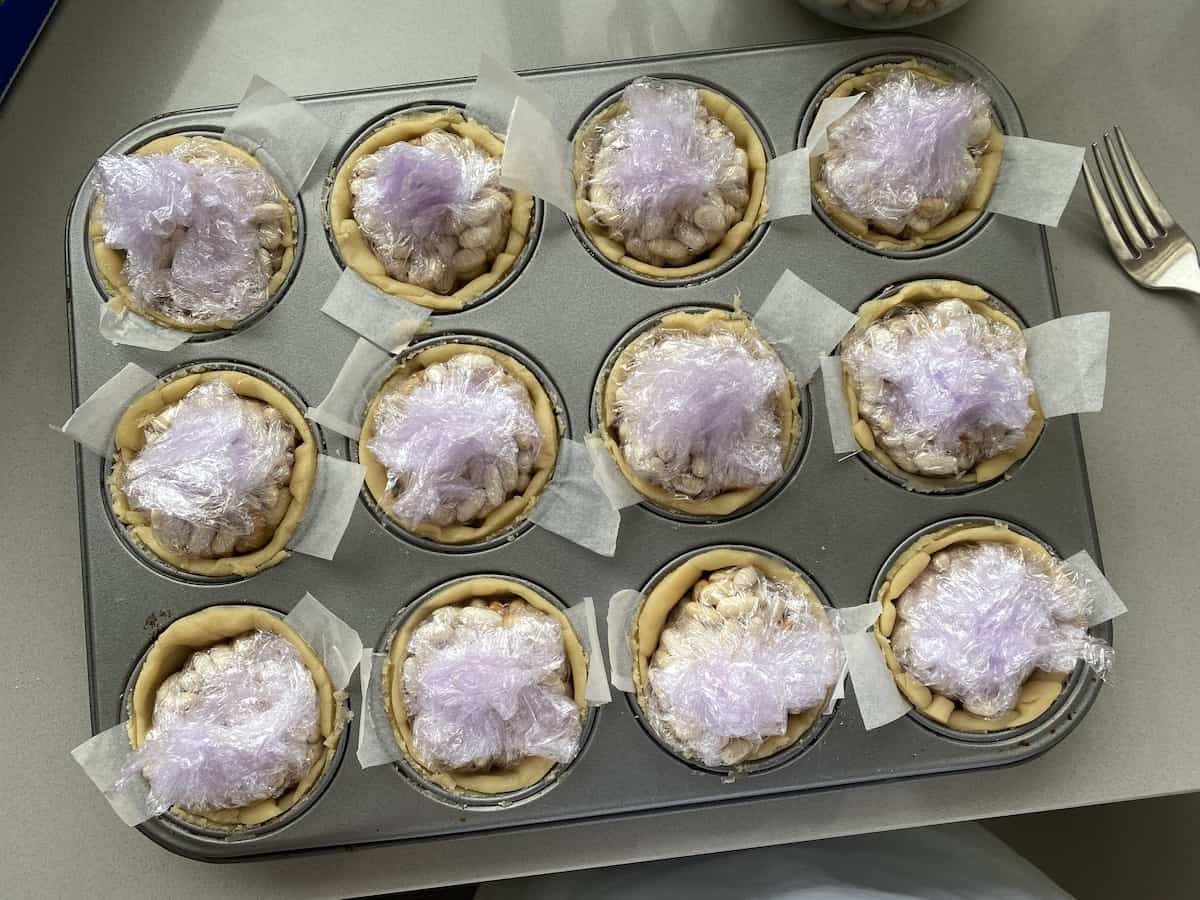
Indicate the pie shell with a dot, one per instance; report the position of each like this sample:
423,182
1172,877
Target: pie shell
512,509
932,291
673,588
198,631
110,262
735,237
356,250
786,408
530,770
129,439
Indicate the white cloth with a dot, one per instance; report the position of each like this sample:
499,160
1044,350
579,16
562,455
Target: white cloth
939,863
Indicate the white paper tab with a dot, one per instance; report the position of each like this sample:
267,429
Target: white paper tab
497,88
1106,603
841,431
346,403
372,750
537,157
1068,360
802,324
270,123
879,700
574,506
336,643
386,321
93,423
334,496
830,110
616,486
789,191
129,329
102,757
1036,179
622,607
582,617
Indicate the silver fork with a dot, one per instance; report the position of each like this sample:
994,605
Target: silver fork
1144,237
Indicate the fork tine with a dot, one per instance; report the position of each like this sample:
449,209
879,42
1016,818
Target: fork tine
1130,194
1133,237
1146,189
1119,248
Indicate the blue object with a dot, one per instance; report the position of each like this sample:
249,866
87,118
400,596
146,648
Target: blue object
21,21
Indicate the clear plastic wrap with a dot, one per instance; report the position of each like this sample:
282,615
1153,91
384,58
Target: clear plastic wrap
941,386
202,233
487,685
983,616
904,156
432,210
696,413
667,179
238,723
457,439
213,472
737,656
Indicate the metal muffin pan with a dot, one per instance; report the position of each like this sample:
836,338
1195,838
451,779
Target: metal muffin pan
837,521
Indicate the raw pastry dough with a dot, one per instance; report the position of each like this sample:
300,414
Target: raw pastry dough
129,438
931,291
786,409
356,251
1037,694
532,769
987,163
515,507
745,137
198,631
652,617
110,262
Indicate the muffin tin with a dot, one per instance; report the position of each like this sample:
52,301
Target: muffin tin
838,521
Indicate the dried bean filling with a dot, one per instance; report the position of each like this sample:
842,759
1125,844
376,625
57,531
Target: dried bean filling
667,180
458,439
432,209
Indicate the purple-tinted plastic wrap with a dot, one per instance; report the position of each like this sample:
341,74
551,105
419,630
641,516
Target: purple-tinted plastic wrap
738,655
457,439
942,386
238,723
202,232
696,413
982,616
486,688
212,467
433,210
904,156
667,179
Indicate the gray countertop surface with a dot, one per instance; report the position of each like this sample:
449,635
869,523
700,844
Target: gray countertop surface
1074,67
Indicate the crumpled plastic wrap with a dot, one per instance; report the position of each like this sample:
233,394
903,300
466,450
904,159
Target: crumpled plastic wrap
904,156
982,616
213,472
667,180
486,685
432,210
696,413
238,723
735,659
202,233
457,439
941,386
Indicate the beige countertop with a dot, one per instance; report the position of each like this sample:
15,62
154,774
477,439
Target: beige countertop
1074,67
